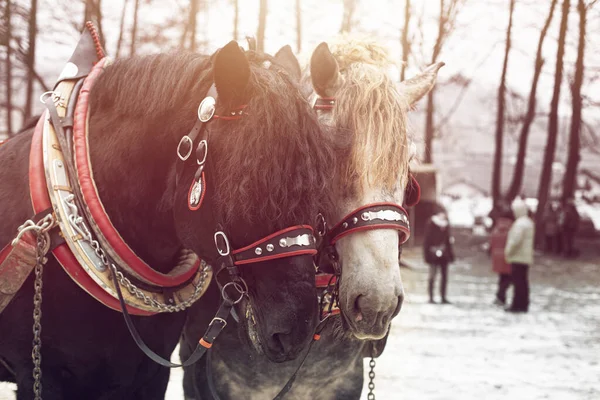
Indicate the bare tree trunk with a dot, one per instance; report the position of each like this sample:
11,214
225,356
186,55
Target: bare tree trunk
570,178
262,22
121,28
298,26
134,27
193,19
429,128
404,40
236,18
87,12
98,11
349,8
517,178
497,170
8,67
546,176
30,59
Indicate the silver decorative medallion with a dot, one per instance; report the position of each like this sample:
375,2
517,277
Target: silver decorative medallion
384,215
196,193
300,240
206,110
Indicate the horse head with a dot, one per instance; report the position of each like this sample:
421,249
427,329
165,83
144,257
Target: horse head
368,112
261,174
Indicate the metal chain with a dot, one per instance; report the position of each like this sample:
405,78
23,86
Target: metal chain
79,225
131,288
40,229
371,395
43,243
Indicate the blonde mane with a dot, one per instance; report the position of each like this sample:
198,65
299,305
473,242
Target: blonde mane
369,105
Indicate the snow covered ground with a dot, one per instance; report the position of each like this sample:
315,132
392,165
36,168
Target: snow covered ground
472,350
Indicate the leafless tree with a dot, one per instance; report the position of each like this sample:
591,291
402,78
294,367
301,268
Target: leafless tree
8,67
517,178
546,175
190,27
134,27
404,40
298,26
448,12
497,168
121,28
262,24
570,177
347,19
236,18
30,58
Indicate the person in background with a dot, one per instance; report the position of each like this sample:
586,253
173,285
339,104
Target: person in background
519,254
498,239
551,231
570,225
438,253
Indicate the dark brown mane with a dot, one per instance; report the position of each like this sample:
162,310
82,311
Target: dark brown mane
279,166
275,164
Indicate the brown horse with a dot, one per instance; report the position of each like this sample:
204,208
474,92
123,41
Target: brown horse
262,174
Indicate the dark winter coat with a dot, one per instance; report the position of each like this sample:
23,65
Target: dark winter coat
437,245
571,218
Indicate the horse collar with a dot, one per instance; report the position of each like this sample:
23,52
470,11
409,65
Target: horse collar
61,179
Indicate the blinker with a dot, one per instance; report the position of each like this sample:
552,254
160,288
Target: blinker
206,110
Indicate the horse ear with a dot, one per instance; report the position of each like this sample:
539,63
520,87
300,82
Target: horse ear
324,71
286,58
231,72
418,86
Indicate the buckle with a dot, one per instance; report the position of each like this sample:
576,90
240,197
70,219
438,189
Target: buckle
227,250
219,320
187,140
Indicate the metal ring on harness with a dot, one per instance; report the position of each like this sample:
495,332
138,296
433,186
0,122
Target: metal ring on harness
241,290
44,95
186,139
321,225
203,147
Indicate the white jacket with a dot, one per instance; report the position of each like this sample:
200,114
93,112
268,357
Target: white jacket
520,240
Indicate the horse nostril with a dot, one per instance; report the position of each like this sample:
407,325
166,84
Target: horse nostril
358,316
400,301
282,341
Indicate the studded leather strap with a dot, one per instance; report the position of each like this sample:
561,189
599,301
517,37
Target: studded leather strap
369,217
292,241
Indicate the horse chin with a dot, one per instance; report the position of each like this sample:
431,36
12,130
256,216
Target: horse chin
365,332
250,333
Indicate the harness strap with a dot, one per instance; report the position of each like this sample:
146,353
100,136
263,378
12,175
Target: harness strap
292,241
212,332
369,217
